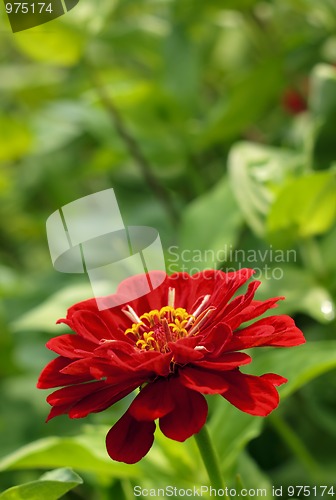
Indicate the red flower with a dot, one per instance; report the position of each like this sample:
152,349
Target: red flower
177,343
293,102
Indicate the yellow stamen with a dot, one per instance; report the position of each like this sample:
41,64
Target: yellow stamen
158,327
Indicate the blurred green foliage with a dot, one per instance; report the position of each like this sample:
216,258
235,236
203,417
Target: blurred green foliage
215,123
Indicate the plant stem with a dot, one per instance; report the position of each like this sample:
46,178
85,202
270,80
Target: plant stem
209,458
295,444
134,149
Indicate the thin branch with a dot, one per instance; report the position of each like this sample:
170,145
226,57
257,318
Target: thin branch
134,150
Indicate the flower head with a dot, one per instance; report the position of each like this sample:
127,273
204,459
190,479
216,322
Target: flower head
177,343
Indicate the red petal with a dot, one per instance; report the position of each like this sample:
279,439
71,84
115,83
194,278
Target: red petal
111,318
189,288
154,401
204,381
122,348
56,411
143,363
153,362
188,416
80,400
91,326
274,379
102,399
216,339
74,393
136,285
87,305
77,367
279,331
255,309
226,286
226,361
243,299
129,440
184,350
111,372
51,376
251,394
71,346
239,304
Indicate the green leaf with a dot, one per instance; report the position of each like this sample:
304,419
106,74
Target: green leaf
61,45
57,124
18,76
52,485
44,316
327,245
256,171
85,453
232,429
298,364
301,291
251,476
181,72
243,103
305,206
15,138
322,97
209,224
183,459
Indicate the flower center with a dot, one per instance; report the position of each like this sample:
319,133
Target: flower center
155,329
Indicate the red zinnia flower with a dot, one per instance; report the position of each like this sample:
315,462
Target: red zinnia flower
176,343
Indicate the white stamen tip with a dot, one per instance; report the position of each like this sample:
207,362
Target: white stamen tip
171,297
131,314
200,348
200,321
199,309
201,306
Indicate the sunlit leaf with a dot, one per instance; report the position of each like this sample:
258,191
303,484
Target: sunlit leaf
51,485
256,172
45,315
61,45
304,207
15,138
75,452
